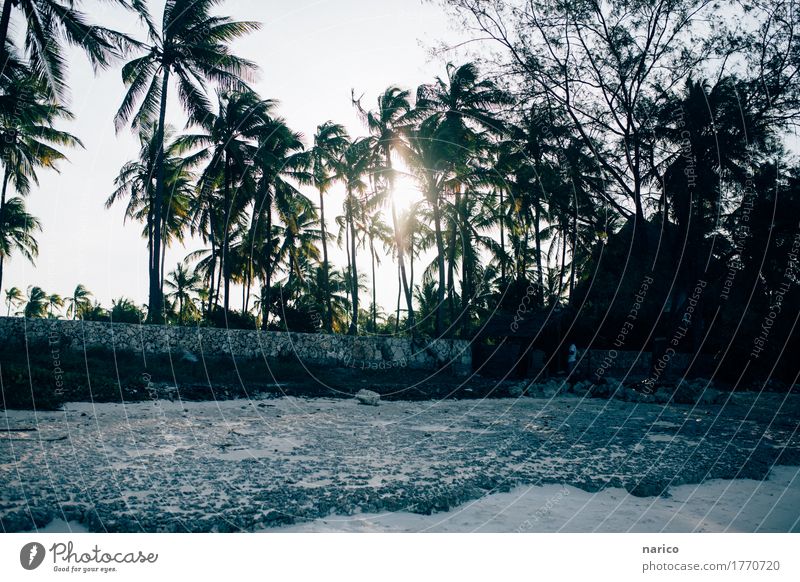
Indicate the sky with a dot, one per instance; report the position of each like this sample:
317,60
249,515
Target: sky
311,55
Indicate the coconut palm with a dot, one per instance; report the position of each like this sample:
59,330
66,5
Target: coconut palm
49,25
298,237
193,45
136,182
226,148
79,302
279,162
13,298
329,142
461,117
354,164
28,139
16,231
376,231
37,303
387,125
428,165
54,301
184,284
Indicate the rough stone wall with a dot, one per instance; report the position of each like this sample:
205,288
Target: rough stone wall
373,352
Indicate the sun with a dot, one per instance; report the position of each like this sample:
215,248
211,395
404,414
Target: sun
405,193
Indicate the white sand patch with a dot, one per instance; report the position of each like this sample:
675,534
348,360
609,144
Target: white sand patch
718,505
61,526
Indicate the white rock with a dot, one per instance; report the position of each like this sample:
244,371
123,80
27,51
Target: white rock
368,397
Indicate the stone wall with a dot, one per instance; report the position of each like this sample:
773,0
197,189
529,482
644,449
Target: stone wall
374,352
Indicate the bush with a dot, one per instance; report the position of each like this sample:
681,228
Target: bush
125,311
232,319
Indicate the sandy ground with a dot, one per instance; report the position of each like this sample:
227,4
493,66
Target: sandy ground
718,505
289,464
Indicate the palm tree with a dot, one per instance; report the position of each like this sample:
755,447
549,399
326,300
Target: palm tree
193,45
54,301
79,302
387,125
47,25
298,239
183,284
136,181
279,161
376,230
14,298
353,165
462,114
16,231
37,303
27,137
428,165
329,142
226,146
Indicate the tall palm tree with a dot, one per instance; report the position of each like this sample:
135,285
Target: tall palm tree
16,231
136,182
462,113
279,164
79,302
36,304
298,237
226,147
354,164
387,124
183,283
48,25
28,138
376,231
429,166
192,44
13,298
329,142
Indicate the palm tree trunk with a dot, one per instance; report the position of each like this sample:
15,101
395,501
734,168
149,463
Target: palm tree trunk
354,267
325,266
537,234
218,274
451,257
6,175
226,269
411,261
212,268
5,19
155,305
399,295
574,250
563,264
466,287
398,239
150,237
437,220
502,244
163,261
374,308
266,295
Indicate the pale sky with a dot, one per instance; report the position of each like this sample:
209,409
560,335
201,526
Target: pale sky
311,54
